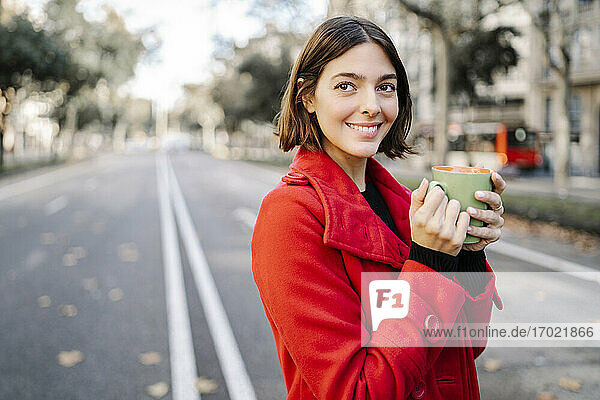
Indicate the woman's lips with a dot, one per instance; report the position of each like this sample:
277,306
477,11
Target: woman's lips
366,130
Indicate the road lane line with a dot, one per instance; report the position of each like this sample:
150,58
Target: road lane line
245,215
546,261
238,382
504,248
54,206
181,348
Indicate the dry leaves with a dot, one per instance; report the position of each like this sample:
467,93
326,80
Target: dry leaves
67,310
545,396
115,294
69,260
158,390
128,252
78,252
44,301
570,384
69,358
584,241
89,284
205,385
491,365
48,238
149,358
98,227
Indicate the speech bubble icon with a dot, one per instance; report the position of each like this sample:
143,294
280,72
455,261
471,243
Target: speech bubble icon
389,299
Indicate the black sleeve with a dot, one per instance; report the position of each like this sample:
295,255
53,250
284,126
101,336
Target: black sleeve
436,260
474,264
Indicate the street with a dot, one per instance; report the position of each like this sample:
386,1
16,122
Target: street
115,271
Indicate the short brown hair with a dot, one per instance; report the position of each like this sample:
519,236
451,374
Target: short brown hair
295,126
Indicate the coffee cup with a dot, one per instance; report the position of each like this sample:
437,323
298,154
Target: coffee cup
461,183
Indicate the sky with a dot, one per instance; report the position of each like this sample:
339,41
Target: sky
186,28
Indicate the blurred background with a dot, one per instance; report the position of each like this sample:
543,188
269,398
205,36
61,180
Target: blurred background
93,93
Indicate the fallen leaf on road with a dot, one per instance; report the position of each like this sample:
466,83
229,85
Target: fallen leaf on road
545,396
206,385
573,385
11,274
48,238
115,294
158,390
540,296
149,358
89,284
44,301
69,260
78,252
69,358
98,227
491,365
67,310
128,252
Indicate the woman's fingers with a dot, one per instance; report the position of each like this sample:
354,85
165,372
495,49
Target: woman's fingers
417,197
493,199
461,226
488,216
449,225
489,233
498,183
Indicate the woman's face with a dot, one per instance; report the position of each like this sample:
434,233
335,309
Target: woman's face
355,101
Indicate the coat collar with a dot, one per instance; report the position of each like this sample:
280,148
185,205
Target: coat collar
350,223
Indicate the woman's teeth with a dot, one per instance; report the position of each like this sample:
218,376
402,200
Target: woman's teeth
363,128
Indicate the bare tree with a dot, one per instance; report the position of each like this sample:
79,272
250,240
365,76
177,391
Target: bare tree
447,21
555,25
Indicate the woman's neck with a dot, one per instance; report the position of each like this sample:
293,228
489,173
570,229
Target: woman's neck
355,167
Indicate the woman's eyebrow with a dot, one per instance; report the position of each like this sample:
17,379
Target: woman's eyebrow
360,77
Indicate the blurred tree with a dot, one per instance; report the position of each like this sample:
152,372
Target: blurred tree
101,50
466,52
252,86
27,50
554,23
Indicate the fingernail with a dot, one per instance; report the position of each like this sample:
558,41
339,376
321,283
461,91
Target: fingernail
479,194
469,229
471,210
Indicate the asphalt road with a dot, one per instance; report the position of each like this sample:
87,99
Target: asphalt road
85,303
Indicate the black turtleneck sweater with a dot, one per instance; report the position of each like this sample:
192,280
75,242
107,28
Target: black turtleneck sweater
465,261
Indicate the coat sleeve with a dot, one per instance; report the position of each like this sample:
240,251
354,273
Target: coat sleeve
317,314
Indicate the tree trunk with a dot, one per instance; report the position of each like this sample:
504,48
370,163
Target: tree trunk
561,140
442,55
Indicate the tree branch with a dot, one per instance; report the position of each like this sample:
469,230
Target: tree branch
423,13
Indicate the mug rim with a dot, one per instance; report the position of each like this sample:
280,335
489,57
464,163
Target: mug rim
461,170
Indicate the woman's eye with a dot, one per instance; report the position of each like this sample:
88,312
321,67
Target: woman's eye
344,87
388,87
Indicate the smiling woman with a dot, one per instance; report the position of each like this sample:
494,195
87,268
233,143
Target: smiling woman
339,213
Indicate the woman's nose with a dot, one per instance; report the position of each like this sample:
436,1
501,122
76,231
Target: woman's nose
370,106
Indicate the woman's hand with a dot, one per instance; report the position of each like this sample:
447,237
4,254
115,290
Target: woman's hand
435,222
493,216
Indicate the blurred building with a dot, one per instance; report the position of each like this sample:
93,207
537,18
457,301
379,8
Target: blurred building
526,95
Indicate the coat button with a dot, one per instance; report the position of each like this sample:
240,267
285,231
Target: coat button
295,178
431,323
419,391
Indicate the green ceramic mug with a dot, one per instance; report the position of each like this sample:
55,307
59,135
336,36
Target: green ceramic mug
461,183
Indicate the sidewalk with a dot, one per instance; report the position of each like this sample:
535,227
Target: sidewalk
580,187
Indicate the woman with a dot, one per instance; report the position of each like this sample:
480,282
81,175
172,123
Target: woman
339,213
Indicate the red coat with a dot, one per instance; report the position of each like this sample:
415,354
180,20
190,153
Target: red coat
314,235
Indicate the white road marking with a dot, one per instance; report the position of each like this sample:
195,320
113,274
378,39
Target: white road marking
181,348
546,261
238,382
245,215
54,206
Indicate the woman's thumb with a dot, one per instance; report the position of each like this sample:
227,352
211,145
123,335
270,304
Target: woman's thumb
418,196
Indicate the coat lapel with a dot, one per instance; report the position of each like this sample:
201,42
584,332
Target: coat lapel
350,223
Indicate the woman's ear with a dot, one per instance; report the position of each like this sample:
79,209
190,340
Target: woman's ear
308,101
